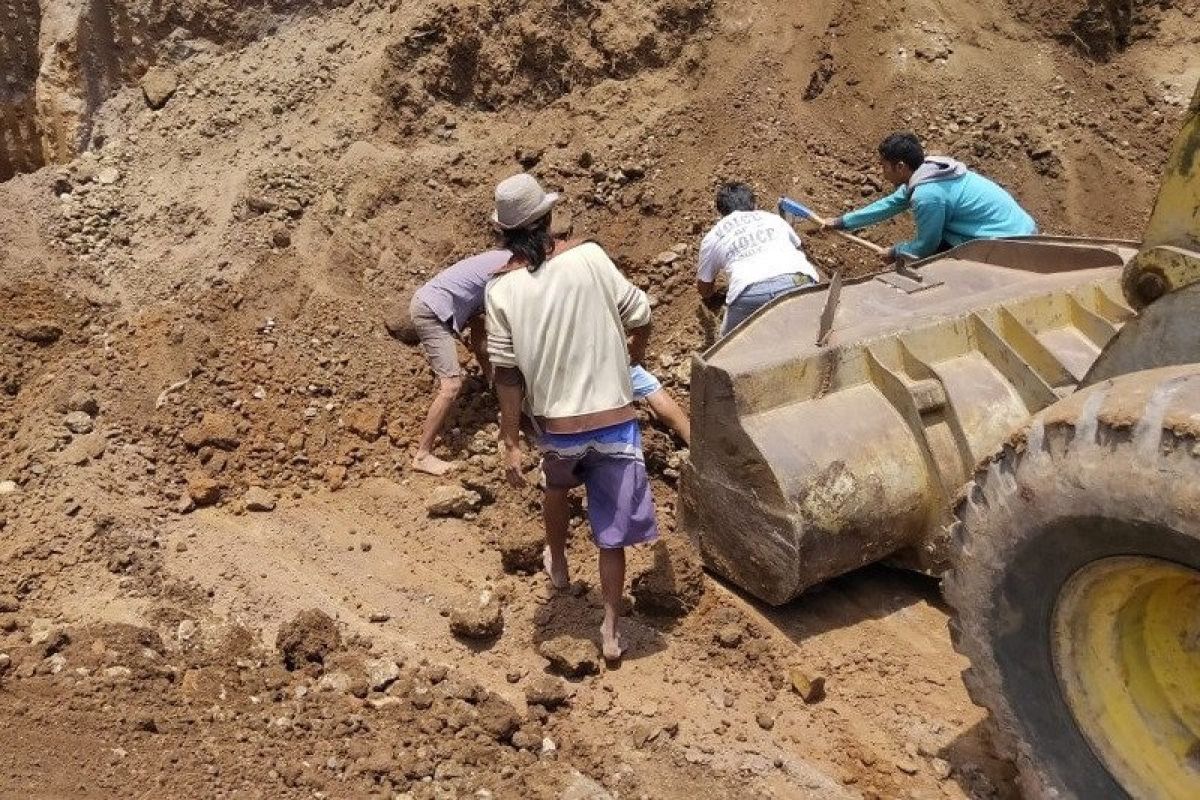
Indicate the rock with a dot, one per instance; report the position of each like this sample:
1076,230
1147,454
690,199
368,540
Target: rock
203,490
673,585
479,620
78,422
497,717
521,548
5,662
185,631
379,617
547,691
666,257
810,687
82,401
906,765
108,176
529,737
336,681
259,499
84,449
118,673
582,787
159,85
570,656
942,769
8,487
381,673
9,604
366,420
765,720
729,635
307,638
215,429
42,333
281,237
452,501
335,477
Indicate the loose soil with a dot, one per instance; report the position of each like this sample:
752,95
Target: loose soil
218,575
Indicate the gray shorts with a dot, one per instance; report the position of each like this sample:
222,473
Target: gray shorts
438,340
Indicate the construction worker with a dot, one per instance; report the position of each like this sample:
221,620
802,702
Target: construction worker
760,254
441,310
952,204
557,321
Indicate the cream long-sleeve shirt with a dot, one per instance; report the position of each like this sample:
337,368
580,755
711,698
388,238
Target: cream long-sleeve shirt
563,327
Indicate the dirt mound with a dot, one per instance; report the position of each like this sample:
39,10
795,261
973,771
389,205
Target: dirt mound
505,55
308,638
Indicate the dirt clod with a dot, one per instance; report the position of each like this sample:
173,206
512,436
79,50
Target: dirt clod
547,691
481,619
571,656
159,85
307,638
452,501
259,499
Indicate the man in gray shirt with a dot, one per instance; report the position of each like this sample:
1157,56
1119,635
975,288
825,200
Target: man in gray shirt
447,305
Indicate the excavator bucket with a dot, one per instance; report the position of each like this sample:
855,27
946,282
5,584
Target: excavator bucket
809,460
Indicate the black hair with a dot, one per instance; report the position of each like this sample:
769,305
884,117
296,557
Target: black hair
904,148
735,197
532,244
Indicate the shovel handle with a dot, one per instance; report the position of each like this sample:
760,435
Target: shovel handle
797,209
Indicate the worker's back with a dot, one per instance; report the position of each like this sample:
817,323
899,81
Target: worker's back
976,208
562,326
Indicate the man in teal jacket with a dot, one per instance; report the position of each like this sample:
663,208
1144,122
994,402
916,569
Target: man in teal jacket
952,205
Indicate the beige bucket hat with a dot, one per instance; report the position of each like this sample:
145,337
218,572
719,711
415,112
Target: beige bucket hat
521,200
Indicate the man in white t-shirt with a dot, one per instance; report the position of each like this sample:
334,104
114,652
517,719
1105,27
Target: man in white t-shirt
759,252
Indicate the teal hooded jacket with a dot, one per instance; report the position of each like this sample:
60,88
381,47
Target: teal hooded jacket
951,204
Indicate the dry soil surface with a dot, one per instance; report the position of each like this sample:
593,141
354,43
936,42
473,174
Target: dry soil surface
209,210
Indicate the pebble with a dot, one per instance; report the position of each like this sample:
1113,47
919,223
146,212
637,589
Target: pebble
108,176
259,499
452,501
8,487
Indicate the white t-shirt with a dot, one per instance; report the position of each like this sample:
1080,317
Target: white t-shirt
751,246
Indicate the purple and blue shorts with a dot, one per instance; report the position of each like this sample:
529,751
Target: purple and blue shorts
608,462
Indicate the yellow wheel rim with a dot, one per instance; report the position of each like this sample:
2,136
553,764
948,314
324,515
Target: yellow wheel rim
1127,653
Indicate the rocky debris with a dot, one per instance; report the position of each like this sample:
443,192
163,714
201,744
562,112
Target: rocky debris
159,84
38,332
78,422
729,635
8,487
5,662
942,769
84,449
479,620
497,717
108,176
570,656
381,673
308,638
366,420
335,681
765,720
203,490
9,604
673,585
452,501
258,499
810,687
521,548
215,429
547,691
581,787
85,402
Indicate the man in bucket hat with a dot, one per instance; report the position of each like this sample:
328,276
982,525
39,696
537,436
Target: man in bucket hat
557,320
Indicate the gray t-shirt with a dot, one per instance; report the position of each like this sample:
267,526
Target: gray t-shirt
456,293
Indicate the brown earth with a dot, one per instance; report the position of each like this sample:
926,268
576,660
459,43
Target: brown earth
191,307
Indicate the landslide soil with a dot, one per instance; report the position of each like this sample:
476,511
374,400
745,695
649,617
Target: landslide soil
192,306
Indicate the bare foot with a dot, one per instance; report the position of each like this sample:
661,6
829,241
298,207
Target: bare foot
610,644
431,464
559,579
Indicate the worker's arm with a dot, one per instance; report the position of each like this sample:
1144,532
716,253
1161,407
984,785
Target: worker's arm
880,210
638,339
930,213
477,340
510,392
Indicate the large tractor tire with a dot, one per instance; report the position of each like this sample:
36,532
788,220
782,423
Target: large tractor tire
1076,591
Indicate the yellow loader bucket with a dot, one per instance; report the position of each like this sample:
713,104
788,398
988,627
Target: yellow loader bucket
809,460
